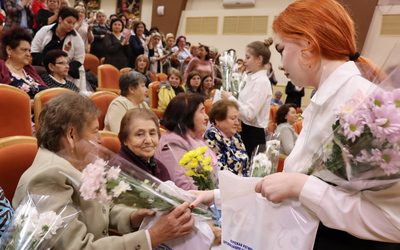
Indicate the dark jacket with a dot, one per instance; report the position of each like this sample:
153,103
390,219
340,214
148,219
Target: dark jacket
153,167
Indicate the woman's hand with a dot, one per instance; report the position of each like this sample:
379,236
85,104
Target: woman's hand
281,186
138,216
205,197
225,94
175,224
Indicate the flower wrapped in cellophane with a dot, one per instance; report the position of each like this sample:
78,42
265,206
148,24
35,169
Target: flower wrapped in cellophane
112,179
198,166
34,226
363,152
265,159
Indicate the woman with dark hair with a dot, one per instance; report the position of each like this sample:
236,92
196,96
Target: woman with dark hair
207,85
193,83
116,45
223,138
181,55
66,136
186,120
48,15
201,63
139,43
139,136
16,69
133,93
286,116
63,36
56,64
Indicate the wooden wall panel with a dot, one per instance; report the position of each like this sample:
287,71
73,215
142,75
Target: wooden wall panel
169,22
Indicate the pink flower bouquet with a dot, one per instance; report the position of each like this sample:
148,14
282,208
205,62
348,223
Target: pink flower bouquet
364,151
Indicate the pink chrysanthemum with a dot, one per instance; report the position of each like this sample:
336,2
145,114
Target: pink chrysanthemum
391,161
385,121
352,126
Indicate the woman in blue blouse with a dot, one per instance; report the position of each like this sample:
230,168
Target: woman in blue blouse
223,137
6,212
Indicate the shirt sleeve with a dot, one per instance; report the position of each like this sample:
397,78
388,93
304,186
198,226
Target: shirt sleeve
348,212
287,141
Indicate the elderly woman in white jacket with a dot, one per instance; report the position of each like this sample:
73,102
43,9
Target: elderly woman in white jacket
62,35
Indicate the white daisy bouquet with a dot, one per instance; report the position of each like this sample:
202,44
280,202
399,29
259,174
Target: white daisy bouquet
364,149
265,159
35,227
118,181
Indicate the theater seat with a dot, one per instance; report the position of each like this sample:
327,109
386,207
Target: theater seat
102,99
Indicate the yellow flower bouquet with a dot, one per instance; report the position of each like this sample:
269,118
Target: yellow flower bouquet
199,167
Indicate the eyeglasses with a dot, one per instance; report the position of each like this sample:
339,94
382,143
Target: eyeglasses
62,63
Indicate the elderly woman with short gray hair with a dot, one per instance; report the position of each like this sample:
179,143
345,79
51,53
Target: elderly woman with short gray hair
133,92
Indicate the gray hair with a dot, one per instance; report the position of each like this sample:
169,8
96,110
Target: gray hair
130,79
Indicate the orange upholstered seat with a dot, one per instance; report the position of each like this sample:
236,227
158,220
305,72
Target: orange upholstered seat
108,78
15,111
161,77
281,162
110,140
125,70
102,99
153,98
272,119
16,155
297,126
44,97
208,105
91,63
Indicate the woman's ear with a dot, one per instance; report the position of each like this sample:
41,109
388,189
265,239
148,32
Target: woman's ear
51,67
131,89
71,137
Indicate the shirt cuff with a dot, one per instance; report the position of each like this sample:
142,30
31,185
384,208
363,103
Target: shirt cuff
313,191
148,238
217,198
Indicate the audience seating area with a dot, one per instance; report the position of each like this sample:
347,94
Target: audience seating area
102,99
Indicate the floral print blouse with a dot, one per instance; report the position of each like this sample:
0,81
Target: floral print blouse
29,85
6,212
231,153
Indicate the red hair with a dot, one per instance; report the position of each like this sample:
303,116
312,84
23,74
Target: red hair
327,25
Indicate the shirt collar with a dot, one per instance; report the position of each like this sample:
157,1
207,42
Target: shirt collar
335,81
257,74
53,29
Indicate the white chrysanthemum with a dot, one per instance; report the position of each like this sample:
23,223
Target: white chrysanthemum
121,188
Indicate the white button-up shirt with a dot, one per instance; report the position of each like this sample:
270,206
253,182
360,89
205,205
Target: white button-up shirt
254,100
370,215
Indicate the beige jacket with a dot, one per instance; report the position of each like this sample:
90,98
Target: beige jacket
90,229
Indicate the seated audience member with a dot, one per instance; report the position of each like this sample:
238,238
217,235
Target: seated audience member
6,212
133,94
207,85
139,135
193,83
142,66
67,125
223,138
276,100
186,120
56,64
286,116
16,69
201,63
169,89
63,36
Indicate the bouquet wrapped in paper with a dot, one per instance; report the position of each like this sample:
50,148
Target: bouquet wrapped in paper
35,227
112,179
227,61
265,159
198,165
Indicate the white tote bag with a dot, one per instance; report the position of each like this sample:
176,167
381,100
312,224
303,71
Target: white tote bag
249,221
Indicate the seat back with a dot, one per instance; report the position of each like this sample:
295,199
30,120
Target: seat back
16,155
102,99
108,77
43,97
91,63
281,162
110,140
161,77
125,70
15,112
208,105
272,116
153,94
